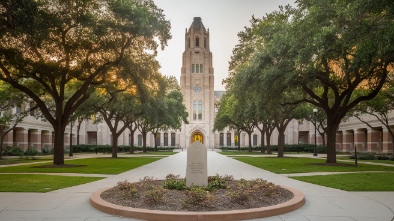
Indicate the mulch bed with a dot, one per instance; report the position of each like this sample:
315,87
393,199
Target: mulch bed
175,199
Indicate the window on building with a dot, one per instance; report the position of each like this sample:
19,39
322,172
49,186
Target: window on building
229,139
197,42
201,69
194,110
205,42
139,140
18,109
199,110
188,45
254,139
172,139
166,139
197,68
221,140
192,68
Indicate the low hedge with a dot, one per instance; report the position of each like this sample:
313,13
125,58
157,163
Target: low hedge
308,148
89,148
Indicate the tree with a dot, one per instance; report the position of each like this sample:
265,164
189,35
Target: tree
326,51
46,45
9,119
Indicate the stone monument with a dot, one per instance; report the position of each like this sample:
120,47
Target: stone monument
196,168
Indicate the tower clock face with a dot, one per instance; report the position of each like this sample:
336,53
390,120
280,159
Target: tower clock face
197,89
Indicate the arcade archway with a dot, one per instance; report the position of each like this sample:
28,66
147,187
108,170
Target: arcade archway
197,136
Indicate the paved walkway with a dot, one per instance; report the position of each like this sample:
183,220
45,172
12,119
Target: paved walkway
72,204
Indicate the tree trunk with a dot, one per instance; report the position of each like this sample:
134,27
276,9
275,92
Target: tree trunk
331,143
262,142
78,129
131,141
239,140
58,148
1,144
156,141
268,136
114,145
281,142
250,141
144,141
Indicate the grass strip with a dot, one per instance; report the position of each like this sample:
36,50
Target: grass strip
105,165
353,181
10,161
40,183
289,165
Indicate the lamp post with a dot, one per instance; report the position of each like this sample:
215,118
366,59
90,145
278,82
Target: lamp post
70,154
315,117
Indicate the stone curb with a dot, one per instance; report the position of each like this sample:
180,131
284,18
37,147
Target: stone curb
296,202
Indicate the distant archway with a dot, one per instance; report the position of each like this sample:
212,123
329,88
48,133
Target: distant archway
197,136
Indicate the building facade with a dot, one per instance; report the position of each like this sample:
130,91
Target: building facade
199,97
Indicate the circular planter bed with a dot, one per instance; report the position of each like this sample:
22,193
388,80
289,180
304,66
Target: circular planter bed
224,200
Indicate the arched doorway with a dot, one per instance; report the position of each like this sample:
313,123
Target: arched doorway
197,136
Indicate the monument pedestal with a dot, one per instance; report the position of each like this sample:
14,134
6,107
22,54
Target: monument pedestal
196,168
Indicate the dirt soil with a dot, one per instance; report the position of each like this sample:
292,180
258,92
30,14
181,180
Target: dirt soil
175,200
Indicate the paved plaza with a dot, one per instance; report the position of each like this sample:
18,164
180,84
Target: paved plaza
322,203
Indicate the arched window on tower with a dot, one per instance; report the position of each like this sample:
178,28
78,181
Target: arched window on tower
197,68
205,42
197,42
192,68
201,69
188,46
197,110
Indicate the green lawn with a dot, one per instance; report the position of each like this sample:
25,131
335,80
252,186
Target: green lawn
304,165
354,181
361,161
39,183
93,166
9,161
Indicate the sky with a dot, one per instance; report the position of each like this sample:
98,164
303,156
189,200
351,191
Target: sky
224,18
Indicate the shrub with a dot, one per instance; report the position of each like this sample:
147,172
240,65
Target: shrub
216,182
173,182
128,189
13,151
47,150
383,157
197,196
155,195
31,152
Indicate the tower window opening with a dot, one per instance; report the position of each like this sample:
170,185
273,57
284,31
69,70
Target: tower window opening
197,68
205,42
201,69
197,42
199,110
188,46
192,68
194,110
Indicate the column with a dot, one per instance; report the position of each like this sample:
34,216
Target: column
374,140
348,140
21,138
360,139
387,141
35,139
8,141
46,139
339,141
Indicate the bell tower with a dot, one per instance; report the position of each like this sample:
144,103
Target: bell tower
197,85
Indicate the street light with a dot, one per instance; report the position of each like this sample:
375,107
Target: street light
70,153
315,117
